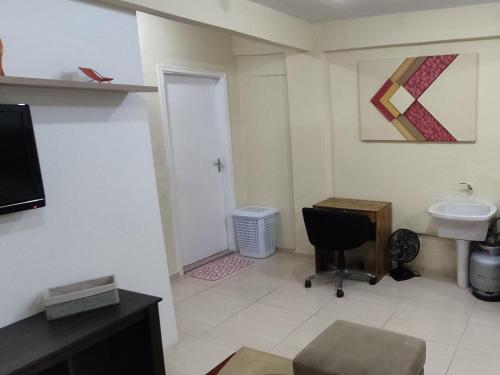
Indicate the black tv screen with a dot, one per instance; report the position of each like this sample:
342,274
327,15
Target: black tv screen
21,186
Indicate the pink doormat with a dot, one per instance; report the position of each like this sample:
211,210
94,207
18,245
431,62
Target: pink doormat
222,268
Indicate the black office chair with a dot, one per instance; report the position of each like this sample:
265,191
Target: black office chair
329,230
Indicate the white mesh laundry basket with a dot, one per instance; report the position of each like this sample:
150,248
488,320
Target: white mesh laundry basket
256,231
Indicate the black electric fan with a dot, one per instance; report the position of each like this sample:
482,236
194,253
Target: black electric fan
403,246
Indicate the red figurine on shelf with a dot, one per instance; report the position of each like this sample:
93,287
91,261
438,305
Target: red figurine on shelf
94,75
1,55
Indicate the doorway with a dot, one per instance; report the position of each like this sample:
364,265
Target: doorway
199,161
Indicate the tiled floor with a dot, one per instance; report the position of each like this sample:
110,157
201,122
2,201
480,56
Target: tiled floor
266,307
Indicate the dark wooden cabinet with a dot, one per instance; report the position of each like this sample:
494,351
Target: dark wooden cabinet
124,339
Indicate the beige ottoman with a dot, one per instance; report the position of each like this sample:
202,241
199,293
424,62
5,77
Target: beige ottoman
347,348
253,362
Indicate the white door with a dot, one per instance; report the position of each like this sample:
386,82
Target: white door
196,110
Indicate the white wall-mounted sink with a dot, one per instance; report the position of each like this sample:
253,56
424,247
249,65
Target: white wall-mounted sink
463,221
463,210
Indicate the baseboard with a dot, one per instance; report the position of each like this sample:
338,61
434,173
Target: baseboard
433,273
284,250
293,252
202,262
175,276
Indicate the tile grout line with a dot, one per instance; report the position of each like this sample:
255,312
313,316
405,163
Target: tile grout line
295,330
303,312
236,313
312,315
315,314
229,277
203,336
283,278
390,317
399,305
204,290
461,339
255,302
214,285
194,295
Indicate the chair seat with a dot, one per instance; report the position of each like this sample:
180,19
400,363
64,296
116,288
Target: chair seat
347,348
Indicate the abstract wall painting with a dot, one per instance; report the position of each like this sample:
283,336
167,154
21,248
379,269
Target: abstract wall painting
419,99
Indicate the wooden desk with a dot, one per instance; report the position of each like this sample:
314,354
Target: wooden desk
380,214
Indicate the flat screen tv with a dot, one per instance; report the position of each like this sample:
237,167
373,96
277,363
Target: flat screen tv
21,186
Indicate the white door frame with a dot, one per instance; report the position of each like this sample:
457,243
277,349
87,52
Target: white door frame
228,176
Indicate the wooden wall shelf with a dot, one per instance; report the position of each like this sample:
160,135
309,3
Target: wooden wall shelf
75,85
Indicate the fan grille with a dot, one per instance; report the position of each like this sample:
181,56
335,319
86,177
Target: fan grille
404,245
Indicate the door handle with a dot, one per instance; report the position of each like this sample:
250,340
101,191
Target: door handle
219,165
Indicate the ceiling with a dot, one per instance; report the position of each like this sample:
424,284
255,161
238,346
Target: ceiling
329,10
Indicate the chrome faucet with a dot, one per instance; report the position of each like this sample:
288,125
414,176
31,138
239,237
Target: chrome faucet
468,187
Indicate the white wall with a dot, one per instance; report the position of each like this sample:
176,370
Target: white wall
307,134
239,16
412,176
327,156
102,215
431,26
171,43
311,136
266,138
415,175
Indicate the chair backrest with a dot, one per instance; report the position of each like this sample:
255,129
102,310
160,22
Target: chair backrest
332,230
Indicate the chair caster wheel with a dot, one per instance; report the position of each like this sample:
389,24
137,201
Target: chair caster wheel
340,293
307,284
373,281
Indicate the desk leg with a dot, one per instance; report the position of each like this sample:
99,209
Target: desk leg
383,232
